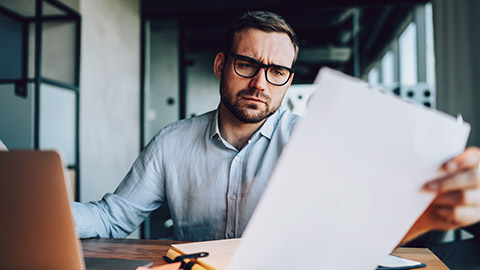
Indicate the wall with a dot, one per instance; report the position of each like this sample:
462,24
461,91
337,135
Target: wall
162,78
202,85
109,97
458,60
162,75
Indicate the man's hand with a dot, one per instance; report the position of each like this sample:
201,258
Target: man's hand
457,201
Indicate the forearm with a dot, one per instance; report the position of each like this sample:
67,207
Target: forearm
111,217
118,214
88,221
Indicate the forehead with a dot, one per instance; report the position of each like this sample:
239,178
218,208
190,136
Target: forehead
269,48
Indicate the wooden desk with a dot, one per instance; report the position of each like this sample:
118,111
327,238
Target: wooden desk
150,250
423,255
154,250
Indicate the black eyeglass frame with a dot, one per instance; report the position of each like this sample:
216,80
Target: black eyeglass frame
261,65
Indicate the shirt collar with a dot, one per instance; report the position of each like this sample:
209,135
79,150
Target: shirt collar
214,129
269,126
266,129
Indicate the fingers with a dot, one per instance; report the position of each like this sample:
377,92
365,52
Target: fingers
457,201
460,216
460,198
467,160
460,181
459,173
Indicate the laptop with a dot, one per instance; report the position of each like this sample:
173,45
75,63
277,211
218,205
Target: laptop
37,230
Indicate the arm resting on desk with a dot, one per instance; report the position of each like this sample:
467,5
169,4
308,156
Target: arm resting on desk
119,214
112,217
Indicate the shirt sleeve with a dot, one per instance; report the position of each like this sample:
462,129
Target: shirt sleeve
119,214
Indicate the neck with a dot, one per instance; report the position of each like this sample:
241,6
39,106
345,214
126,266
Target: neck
234,131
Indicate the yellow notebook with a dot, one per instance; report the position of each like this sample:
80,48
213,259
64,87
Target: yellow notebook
220,253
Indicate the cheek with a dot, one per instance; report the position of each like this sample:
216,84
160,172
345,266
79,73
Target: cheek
233,84
228,88
230,75
277,96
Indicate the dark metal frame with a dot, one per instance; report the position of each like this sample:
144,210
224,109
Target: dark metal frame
38,19
356,43
144,228
182,105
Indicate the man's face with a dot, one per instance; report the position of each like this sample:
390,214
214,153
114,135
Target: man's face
251,100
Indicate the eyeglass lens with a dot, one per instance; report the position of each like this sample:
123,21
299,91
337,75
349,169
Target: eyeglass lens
275,74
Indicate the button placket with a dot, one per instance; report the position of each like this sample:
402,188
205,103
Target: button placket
234,178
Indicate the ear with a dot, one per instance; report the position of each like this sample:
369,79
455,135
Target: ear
219,64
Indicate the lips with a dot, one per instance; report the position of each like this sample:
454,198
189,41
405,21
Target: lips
253,99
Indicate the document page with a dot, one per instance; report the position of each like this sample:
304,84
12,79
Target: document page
347,187
2,146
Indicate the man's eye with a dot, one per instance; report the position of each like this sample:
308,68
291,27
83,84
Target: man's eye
244,65
278,72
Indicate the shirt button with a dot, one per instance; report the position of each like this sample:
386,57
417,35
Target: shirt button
231,234
233,196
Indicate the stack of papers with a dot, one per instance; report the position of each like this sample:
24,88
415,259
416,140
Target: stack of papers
347,187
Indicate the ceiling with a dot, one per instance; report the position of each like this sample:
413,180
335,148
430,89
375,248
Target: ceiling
325,28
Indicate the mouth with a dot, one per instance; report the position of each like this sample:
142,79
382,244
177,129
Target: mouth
254,99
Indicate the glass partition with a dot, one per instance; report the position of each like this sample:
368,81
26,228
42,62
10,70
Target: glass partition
57,121
39,77
10,48
16,117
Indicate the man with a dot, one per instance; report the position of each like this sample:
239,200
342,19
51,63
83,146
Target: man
212,169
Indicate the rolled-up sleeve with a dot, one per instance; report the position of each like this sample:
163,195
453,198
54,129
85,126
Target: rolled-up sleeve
118,214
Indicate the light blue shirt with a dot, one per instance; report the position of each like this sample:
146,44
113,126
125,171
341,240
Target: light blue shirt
211,187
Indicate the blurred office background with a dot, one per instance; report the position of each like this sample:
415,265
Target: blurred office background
98,78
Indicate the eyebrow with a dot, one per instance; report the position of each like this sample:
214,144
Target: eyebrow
255,60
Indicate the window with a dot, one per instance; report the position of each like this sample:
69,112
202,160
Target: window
373,77
430,45
408,55
408,67
388,77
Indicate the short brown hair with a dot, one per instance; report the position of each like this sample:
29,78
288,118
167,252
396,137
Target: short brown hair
261,20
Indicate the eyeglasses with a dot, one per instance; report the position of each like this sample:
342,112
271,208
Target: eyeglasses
247,67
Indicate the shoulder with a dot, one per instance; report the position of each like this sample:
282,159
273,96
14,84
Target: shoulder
284,125
191,127
287,120
178,135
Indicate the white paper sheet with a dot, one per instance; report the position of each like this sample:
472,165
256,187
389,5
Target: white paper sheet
394,261
2,146
347,187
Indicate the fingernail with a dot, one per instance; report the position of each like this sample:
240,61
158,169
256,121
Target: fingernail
451,166
432,186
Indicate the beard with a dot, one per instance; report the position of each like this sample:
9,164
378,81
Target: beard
250,113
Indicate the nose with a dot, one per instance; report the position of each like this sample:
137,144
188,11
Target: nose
259,81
